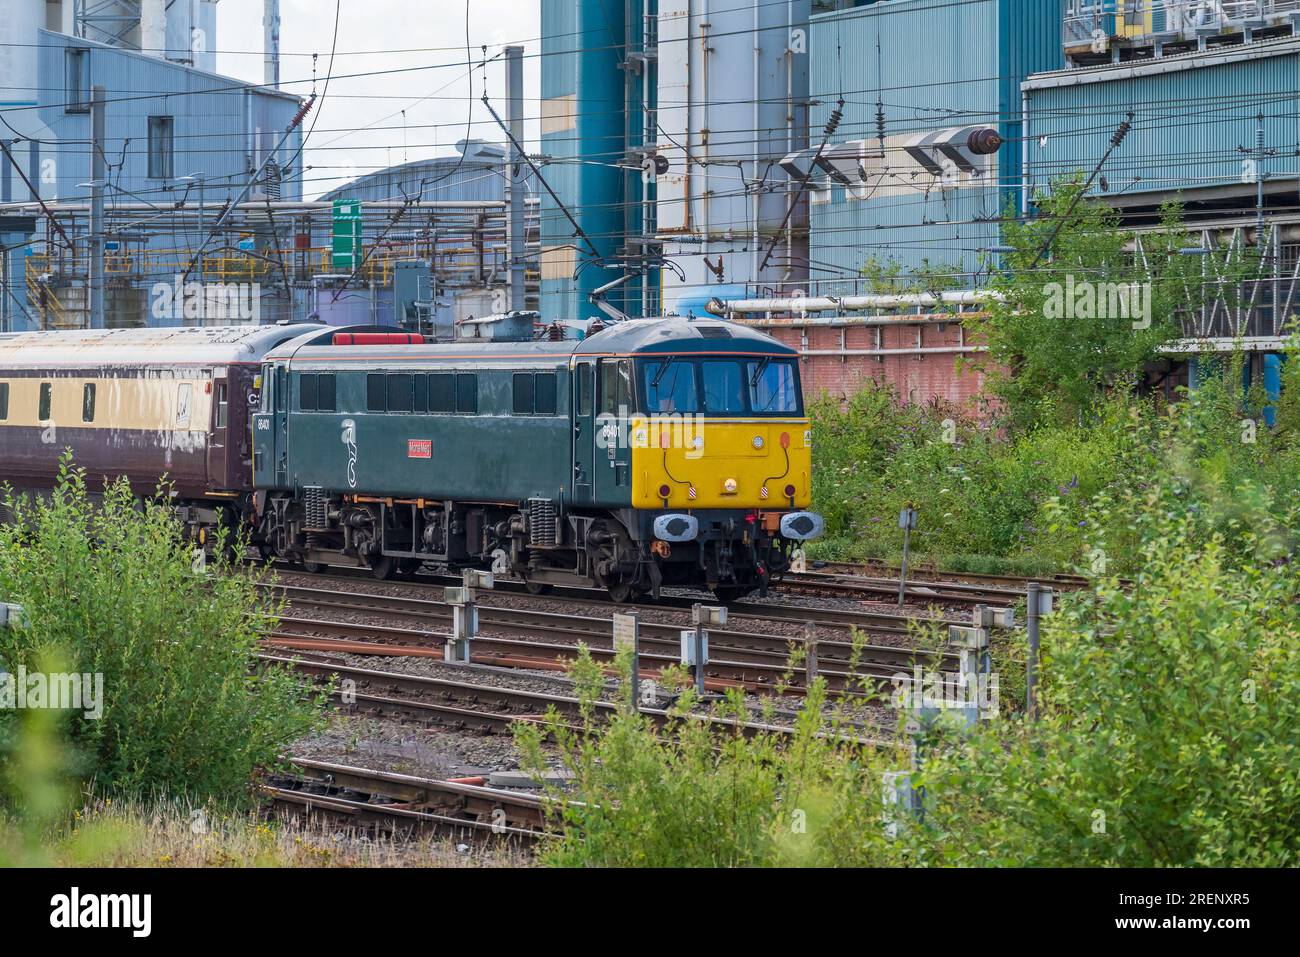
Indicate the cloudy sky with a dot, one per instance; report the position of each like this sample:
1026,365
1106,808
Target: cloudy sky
368,122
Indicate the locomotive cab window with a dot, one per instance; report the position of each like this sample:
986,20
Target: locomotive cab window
4,401
88,402
46,399
772,386
724,387
669,386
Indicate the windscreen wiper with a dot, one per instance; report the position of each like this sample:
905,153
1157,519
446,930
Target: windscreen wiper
758,373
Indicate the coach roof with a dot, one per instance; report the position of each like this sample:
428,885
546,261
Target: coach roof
167,346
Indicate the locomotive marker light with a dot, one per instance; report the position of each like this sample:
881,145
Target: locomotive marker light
695,641
464,613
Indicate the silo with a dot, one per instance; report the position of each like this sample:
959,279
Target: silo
733,100
583,134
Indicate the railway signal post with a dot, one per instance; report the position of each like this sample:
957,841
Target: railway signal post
695,640
464,613
1039,603
627,634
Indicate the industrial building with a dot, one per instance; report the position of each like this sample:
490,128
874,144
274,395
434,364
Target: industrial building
819,168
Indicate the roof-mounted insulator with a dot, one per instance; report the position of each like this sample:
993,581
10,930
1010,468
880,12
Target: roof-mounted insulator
302,112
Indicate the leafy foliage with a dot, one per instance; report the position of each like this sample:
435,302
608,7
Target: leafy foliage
111,589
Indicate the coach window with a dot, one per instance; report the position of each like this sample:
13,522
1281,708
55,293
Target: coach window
467,393
4,401
223,404
376,393
307,392
325,392
88,402
544,388
420,401
281,389
615,386
523,393
47,396
442,392
399,392
183,394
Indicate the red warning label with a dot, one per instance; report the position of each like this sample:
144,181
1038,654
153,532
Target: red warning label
419,448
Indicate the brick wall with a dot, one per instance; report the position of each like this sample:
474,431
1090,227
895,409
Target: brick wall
917,378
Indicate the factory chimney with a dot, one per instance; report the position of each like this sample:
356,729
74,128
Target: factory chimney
271,43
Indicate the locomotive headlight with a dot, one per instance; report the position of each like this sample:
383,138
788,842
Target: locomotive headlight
729,486
758,441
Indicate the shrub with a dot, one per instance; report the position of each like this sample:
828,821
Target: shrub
111,589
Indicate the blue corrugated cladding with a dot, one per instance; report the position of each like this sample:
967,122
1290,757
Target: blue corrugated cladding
211,118
1187,126
941,64
593,193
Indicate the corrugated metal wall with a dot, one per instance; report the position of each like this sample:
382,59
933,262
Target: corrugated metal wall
941,64
1188,123
213,119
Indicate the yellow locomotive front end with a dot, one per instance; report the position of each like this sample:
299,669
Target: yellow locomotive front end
705,462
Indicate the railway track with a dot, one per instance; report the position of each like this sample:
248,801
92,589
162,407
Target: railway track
484,707
524,638
927,574
404,805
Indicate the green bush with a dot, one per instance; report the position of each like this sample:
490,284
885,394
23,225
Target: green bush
111,588
1167,738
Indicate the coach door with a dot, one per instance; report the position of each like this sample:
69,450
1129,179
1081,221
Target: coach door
219,432
584,429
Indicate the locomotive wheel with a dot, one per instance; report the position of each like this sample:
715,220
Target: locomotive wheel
314,567
407,567
382,568
538,588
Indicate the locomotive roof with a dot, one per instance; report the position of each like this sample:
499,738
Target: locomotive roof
172,345
673,334
665,335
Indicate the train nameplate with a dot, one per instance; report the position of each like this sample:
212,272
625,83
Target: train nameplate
419,448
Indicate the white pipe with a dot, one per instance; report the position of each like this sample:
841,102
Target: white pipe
969,297
153,27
